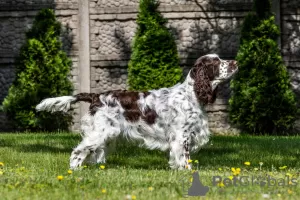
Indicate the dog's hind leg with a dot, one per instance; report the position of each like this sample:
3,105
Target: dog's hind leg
98,156
94,144
88,145
100,153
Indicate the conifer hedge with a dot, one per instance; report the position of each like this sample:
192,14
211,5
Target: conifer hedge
42,71
262,100
154,61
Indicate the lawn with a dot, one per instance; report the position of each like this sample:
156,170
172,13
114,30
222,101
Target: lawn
32,164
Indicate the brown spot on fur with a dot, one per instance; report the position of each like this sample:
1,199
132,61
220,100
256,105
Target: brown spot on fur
150,116
132,115
92,98
128,101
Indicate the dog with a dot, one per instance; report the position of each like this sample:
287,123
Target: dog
167,119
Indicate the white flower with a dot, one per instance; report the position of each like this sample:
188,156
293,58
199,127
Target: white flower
265,196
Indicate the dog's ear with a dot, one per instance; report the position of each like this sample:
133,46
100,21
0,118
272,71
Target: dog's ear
202,85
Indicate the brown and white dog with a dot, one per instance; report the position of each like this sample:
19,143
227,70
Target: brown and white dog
167,119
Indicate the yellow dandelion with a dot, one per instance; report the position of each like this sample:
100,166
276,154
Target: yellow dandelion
230,177
1,172
221,184
1,164
70,171
247,163
102,167
103,191
133,197
60,178
283,167
196,161
150,188
235,171
189,161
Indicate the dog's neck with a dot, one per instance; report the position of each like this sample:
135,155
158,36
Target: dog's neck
188,84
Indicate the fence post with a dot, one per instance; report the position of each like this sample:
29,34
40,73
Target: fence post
84,51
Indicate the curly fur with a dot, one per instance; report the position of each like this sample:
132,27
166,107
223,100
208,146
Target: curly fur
167,119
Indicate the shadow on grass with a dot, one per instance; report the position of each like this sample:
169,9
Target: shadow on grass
129,154
48,143
42,148
234,151
219,152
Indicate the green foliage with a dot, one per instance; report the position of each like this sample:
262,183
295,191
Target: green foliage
42,71
154,62
262,100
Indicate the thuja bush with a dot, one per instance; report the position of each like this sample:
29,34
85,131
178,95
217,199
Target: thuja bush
42,71
262,100
154,61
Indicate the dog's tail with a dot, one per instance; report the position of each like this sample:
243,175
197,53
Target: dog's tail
63,103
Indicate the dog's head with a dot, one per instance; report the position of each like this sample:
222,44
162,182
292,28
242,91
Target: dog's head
208,72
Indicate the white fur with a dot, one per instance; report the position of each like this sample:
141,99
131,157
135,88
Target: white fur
56,104
181,125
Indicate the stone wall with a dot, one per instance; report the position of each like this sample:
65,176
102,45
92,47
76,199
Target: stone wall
199,27
290,45
15,18
100,58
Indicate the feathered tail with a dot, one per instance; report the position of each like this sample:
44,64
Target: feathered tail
64,103
56,104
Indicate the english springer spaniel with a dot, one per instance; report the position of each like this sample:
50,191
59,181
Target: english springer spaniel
167,119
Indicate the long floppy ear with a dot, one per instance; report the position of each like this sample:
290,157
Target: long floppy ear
202,85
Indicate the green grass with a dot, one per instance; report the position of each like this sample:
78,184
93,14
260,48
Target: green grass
32,163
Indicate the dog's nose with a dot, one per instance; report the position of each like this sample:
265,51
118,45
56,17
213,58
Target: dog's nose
233,63
232,66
